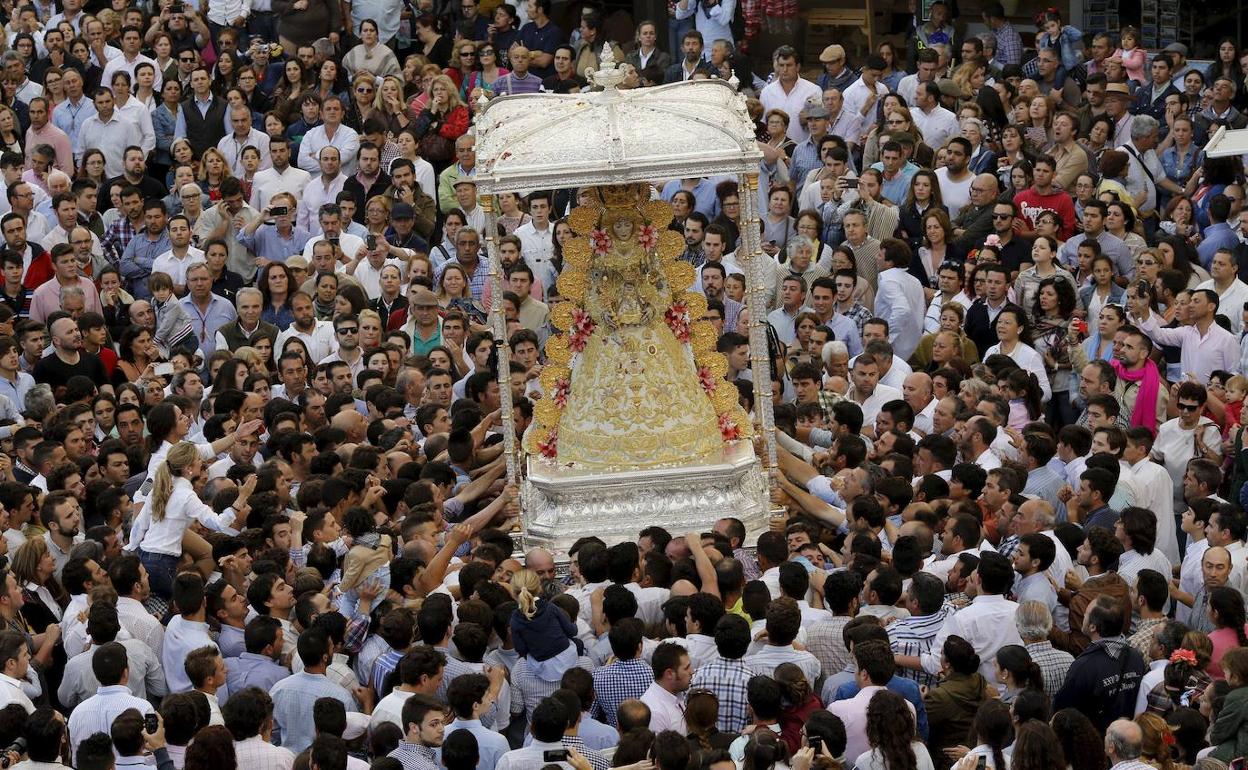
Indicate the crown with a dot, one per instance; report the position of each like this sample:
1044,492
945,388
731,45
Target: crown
624,195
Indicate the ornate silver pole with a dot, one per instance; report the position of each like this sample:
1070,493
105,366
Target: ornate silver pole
498,325
750,251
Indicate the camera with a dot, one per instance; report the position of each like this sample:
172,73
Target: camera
18,747
550,755
280,211
177,8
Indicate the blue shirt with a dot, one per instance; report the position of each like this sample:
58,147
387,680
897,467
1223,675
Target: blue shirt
704,198
206,322
906,688
69,119
490,745
230,642
1216,236
137,259
293,699
267,243
252,670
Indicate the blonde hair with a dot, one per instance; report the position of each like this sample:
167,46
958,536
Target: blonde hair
452,93
25,560
1238,382
181,457
1154,747
526,585
226,173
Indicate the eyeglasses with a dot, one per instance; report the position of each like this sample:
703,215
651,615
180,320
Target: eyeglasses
1002,216
349,330
187,59
1189,407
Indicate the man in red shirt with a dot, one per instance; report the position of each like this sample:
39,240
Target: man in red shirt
1042,196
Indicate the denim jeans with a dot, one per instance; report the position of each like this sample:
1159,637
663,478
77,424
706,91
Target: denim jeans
161,569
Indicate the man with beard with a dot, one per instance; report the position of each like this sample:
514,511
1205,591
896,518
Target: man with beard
61,515
67,359
316,335
347,330
691,46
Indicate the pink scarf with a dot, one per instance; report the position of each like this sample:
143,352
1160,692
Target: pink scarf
1145,411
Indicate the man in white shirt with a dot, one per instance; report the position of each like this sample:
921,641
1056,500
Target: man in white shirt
955,177
937,123
321,191
280,177
861,97
1232,292
866,390
331,132
180,256
131,43
547,723
244,135
537,246
987,622
898,295
673,672
317,336
15,660
789,91
96,714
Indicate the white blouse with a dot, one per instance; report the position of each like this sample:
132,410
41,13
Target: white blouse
184,506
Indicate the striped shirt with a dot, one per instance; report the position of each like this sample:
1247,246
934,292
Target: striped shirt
913,636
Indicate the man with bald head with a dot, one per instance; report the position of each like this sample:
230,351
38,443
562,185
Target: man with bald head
1124,743
542,562
916,389
974,222
353,423
1215,571
68,358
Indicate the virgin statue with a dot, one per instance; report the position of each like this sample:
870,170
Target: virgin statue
635,382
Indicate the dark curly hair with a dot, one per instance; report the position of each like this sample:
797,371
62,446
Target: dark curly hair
890,728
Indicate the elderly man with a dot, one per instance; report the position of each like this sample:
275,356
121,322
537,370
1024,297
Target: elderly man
1124,744
974,222
248,327
243,135
208,311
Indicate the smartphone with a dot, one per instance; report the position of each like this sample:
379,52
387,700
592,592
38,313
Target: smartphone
333,241
371,242
280,211
164,370
816,743
151,723
981,763
555,755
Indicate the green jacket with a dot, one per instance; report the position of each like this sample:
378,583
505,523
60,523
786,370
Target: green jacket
951,708
1229,733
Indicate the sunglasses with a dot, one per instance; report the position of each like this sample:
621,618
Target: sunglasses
1189,407
349,330
1002,216
364,90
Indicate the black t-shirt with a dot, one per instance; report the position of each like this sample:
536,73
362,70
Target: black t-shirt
55,372
557,85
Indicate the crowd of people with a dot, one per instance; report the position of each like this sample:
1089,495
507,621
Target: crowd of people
250,434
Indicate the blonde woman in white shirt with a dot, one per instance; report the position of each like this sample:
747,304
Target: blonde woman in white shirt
171,508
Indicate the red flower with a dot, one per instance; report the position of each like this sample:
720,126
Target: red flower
648,237
560,396
600,241
707,379
728,428
582,327
677,319
549,447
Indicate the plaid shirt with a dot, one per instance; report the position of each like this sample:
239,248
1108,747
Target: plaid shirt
859,314
415,757
117,238
620,681
1009,44
1053,665
826,642
728,680
1145,630
1008,546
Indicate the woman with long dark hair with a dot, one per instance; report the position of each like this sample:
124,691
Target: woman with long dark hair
1015,342
892,737
1226,612
800,701
1017,672
1037,748
277,284
1054,305
952,704
701,716
1079,740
